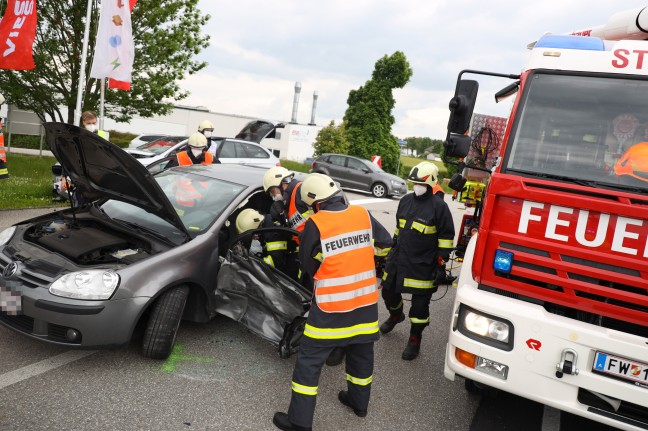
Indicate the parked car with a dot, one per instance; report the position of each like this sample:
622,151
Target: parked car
158,148
139,255
355,173
144,139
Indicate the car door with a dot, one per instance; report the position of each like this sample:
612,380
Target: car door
357,174
337,169
266,301
230,152
256,155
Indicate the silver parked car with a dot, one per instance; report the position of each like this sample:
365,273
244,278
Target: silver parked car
355,173
145,252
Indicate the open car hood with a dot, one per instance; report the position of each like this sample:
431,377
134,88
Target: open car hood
100,169
258,130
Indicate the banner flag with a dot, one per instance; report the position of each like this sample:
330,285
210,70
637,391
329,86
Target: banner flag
17,34
114,51
122,85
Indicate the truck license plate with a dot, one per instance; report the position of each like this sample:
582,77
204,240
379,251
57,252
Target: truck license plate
10,302
628,370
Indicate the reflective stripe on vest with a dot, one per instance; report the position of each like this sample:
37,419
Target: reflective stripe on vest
418,284
446,243
304,390
277,245
424,229
102,134
358,381
338,333
269,260
346,279
419,321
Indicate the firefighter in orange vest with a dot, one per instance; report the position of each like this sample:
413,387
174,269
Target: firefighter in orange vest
336,253
423,240
275,182
196,153
272,247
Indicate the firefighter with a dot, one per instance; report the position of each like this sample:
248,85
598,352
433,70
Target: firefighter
275,182
196,153
423,240
336,253
276,243
89,122
206,128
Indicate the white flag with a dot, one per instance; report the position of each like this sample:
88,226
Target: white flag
114,51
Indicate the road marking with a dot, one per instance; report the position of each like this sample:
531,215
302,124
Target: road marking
368,201
550,419
43,366
176,355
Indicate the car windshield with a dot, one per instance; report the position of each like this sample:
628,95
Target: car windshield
372,166
584,130
159,146
198,200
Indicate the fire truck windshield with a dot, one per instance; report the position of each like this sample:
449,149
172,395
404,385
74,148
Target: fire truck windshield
590,130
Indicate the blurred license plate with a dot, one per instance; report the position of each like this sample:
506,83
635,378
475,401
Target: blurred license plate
629,370
10,302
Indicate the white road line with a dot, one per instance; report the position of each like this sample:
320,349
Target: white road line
368,201
43,366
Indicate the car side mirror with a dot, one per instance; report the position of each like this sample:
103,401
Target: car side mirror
366,170
462,106
457,145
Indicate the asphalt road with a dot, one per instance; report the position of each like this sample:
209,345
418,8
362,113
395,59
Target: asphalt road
222,377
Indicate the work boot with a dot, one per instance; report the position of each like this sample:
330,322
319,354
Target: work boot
335,357
343,396
412,349
282,422
389,324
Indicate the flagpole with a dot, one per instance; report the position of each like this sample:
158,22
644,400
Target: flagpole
84,54
101,103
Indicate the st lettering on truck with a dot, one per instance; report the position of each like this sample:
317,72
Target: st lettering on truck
552,299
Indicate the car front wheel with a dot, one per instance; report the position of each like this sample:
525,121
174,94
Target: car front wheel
163,323
379,190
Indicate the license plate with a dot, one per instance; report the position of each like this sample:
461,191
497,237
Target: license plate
628,370
10,302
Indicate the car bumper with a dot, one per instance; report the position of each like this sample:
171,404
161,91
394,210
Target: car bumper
397,190
73,323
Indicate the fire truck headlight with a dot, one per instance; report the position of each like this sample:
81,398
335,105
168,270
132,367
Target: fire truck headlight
485,328
503,261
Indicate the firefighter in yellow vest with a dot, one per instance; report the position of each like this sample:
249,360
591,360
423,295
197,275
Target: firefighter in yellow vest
337,255
423,240
196,153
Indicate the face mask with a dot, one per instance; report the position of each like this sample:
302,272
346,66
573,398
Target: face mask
419,190
277,197
207,133
91,127
196,151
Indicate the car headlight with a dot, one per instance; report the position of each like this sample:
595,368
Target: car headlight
93,284
394,182
491,330
6,235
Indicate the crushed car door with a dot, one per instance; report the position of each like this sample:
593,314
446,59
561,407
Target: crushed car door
265,300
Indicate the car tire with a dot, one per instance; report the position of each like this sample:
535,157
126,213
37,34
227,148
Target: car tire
163,323
379,190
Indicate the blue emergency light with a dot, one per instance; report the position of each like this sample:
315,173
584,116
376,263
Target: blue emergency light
571,42
503,261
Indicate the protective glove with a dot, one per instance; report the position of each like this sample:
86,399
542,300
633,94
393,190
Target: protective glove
278,213
379,262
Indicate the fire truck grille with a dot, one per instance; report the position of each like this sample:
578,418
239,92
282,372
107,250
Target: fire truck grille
599,293
627,413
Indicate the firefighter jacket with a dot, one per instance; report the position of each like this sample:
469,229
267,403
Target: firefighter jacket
336,254
279,249
186,158
424,232
298,211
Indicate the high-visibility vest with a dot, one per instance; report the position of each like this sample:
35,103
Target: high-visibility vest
346,279
296,219
188,192
185,160
4,172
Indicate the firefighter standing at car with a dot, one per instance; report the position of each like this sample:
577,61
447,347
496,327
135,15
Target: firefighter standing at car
89,122
196,153
337,255
423,240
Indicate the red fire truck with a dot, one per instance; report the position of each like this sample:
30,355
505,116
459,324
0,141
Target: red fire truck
552,299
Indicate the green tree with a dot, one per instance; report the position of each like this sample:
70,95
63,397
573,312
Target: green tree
418,145
167,37
369,116
331,139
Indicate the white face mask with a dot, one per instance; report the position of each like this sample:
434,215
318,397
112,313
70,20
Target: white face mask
419,189
91,127
278,197
196,151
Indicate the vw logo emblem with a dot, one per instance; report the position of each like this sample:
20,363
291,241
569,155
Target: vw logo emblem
10,270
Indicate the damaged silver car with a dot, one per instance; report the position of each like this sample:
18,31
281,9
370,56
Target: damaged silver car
142,254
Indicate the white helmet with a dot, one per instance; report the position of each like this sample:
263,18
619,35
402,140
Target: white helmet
2,99
424,173
318,188
247,220
275,176
197,140
205,124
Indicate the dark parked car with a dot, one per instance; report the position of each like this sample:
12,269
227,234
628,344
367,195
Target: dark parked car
354,173
144,252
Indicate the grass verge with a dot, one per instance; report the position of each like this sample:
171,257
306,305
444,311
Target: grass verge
29,184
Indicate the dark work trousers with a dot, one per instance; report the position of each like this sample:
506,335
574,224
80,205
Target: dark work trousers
418,313
310,360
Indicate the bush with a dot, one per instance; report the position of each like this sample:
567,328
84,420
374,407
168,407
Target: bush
120,139
295,166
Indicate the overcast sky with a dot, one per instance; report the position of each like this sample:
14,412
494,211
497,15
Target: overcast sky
259,50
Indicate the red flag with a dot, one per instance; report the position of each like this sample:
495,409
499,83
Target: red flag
17,34
121,85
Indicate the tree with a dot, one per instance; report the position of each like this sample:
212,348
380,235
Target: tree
331,139
166,35
369,115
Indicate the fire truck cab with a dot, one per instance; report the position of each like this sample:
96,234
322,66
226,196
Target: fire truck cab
552,298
